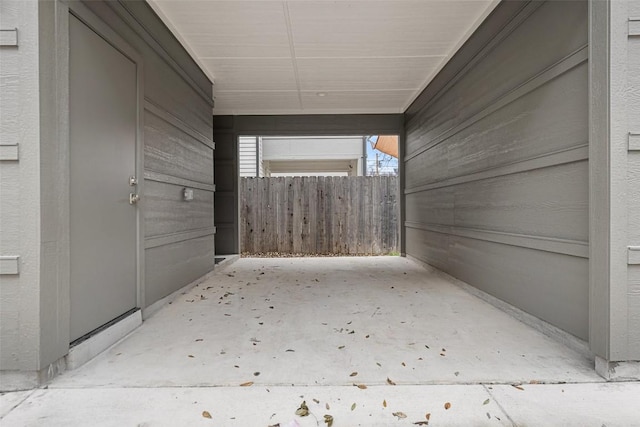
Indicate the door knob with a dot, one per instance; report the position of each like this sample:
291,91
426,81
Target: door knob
134,198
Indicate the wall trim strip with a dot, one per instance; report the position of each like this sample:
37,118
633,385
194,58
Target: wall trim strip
9,152
167,239
10,264
569,155
634,141
9,37
634,26
564,65
160,112
548,244
168,179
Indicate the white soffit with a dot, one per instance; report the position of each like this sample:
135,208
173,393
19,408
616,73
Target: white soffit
320,57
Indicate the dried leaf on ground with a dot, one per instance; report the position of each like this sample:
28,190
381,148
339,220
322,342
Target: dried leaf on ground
317,401
447,405
341,347
206,414
353,406
353,374
326,405
247,384
517,386
421,423
486,402
303,410
328,419
384,403
428,416
361,386
400,415
390,382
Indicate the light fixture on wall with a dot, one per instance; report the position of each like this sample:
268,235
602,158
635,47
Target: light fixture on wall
321,94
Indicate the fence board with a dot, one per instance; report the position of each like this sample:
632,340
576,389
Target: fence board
319,215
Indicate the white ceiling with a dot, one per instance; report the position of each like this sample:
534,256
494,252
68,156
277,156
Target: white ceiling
319,57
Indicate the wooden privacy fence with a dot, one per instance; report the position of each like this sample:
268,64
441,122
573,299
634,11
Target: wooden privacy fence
319,215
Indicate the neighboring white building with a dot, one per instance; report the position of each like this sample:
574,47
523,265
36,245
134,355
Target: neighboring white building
250,155
302,156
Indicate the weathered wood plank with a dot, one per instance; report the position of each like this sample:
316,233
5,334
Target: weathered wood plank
319,215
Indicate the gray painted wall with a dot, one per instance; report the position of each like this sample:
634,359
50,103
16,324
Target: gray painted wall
496,163
227,130
629,55
34,215
615,187
20,191
178,151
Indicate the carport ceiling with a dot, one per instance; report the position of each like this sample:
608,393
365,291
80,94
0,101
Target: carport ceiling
318,57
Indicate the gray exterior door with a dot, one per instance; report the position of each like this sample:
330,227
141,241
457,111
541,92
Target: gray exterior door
103,229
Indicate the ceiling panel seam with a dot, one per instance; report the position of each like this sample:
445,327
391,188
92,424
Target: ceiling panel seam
294,62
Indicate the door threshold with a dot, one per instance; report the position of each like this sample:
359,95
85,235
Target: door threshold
86,348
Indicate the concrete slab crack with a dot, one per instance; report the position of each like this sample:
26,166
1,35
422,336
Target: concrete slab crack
504,411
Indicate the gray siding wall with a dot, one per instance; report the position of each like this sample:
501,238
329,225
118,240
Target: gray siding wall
178,151
632,110
614,43
496,163
20,191
34,214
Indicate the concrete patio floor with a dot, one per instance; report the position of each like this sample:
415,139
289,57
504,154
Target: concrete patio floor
261,335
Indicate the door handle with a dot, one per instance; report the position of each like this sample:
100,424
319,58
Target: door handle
134,198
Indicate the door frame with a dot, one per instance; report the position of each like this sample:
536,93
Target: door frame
86,16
